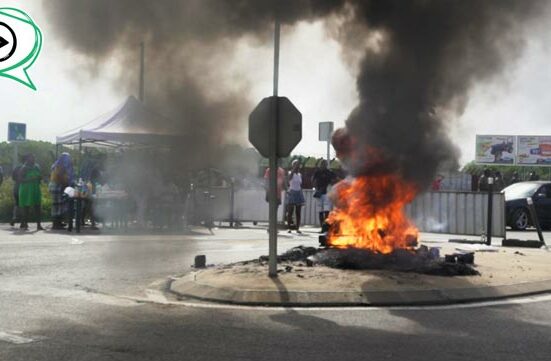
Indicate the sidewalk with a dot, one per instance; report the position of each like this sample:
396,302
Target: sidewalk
506,273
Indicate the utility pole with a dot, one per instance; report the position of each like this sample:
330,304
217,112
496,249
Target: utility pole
142,70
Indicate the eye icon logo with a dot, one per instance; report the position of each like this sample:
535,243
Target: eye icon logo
20,44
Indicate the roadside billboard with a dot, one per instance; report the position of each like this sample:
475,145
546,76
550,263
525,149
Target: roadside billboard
534,150
495,149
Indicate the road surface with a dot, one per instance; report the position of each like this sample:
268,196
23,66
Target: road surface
99,297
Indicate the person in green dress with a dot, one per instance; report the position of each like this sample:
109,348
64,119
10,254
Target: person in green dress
29,191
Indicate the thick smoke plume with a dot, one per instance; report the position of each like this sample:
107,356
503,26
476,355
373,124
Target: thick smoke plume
418,76
189,44
420,62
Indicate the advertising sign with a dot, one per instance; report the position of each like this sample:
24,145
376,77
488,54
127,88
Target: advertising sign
534,150
17,132
495,149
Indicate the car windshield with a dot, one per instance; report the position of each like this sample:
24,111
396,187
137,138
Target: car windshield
520,190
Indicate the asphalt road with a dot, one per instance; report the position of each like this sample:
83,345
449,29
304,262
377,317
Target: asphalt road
92,297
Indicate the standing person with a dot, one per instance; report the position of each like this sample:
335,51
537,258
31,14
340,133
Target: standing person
499,183
514,178
483,181
322,178
60,178
437,183
16,177
533,176
295,197
281,184
29,191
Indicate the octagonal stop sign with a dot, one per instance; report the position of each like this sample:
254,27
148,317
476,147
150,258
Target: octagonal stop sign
289,125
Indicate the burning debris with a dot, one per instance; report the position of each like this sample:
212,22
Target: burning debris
369,214
421,260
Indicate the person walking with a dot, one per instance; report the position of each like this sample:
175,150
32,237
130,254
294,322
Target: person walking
29,191
60,178
322,179
16,177
295,198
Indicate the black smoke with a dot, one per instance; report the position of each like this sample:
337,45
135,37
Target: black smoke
419,77
416,77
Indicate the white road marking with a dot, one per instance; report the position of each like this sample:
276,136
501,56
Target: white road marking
16,337
156,296
76,241
80,294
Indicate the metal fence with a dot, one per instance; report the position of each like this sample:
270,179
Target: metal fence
457,213
439,212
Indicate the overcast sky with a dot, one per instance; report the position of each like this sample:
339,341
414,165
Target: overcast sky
313,76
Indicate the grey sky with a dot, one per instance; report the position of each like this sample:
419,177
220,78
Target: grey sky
313,76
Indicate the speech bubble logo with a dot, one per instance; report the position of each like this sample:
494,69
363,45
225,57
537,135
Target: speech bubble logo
20,44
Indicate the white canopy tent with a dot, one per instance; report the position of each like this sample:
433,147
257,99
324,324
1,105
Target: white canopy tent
130,124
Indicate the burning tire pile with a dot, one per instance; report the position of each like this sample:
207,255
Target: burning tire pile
423,260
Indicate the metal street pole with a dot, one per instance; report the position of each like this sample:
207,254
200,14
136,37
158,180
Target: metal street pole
490,211
272,255
535,220
15,154
142,71
328,153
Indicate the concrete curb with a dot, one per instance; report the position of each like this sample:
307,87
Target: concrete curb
187,286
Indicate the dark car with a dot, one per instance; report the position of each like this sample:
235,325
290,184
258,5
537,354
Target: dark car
516,206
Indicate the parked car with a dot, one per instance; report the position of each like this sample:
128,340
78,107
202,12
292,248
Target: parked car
516,206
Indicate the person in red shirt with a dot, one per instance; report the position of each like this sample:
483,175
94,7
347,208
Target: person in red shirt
437,183
281,183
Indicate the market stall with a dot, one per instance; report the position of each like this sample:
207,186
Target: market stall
130,125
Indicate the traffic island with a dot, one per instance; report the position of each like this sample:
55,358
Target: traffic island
502,273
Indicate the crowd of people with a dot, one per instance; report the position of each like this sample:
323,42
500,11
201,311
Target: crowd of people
499,181
291,184
163,200
27,193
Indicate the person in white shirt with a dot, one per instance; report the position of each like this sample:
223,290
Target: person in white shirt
295,198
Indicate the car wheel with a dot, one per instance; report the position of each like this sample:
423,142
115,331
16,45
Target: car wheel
520,219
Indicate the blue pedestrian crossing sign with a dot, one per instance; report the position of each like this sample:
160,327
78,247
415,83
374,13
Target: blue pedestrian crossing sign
17,132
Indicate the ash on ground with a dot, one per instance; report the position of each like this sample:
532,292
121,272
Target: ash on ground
422,260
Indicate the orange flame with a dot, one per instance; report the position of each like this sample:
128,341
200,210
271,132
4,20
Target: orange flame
369,213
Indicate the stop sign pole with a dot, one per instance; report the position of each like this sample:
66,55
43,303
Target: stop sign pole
274,169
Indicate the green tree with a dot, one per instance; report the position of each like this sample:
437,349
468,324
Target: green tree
508,170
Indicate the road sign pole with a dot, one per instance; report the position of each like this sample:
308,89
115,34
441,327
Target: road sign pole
272,255
15,154
490,211
142,70
328,153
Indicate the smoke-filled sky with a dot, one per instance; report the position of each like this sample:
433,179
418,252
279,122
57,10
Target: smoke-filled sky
217,64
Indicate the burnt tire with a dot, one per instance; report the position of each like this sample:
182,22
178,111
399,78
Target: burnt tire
520,219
